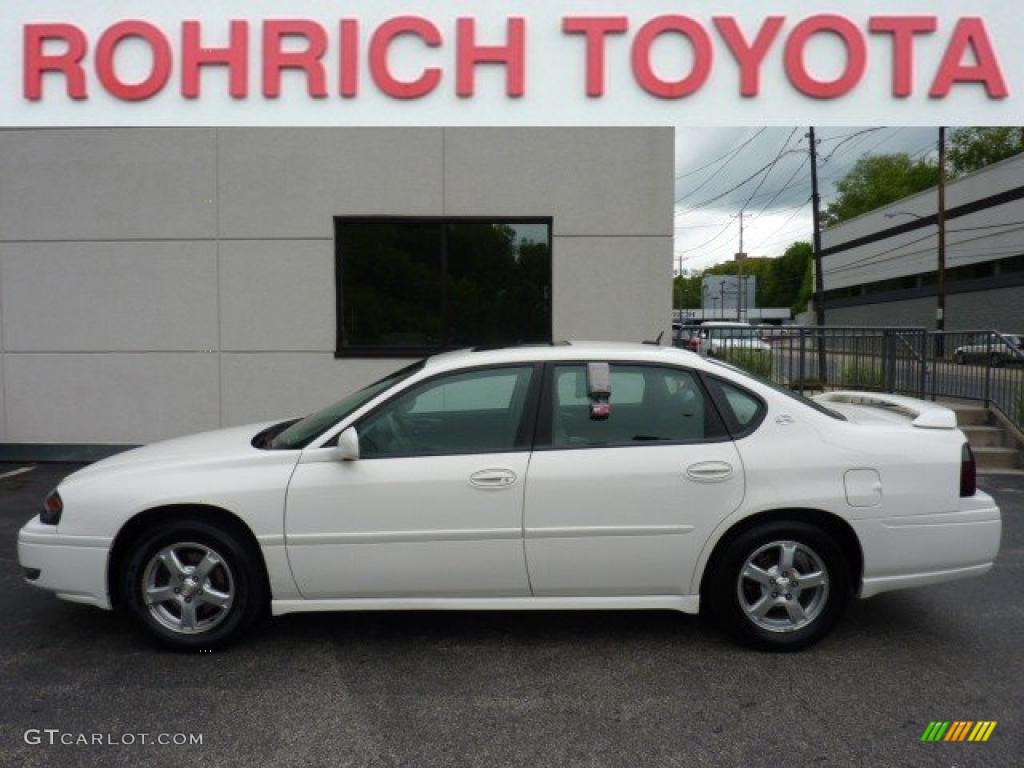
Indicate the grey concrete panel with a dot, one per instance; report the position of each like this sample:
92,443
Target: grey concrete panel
593,181
109,398
291,182
126,296
258,386
277,295
107,184
628,287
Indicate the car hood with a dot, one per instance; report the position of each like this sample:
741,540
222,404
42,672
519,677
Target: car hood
220,444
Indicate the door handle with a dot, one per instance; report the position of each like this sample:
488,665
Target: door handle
709,471
492,478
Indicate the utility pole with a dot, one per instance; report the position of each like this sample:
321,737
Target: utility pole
819,281
740,257
940,307
739,281
819,278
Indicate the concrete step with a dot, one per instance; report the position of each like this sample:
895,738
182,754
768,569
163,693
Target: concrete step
984,436
969,415
996,471
991,457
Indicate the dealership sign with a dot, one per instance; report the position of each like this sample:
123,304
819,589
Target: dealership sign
384,62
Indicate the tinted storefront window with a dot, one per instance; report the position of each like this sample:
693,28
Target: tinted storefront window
418,286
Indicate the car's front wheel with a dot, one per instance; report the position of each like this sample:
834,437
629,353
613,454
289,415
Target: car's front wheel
779,586
193,585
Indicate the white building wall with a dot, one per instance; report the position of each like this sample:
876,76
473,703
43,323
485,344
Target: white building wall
155,282
985,235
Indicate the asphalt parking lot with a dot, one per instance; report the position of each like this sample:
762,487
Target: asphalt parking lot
589,689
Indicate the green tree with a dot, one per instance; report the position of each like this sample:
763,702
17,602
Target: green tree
974,148
877,180
686,293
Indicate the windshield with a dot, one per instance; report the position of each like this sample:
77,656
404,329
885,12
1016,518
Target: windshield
302,432
780,389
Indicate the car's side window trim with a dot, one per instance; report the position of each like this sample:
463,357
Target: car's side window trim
736,430
524,430
545,421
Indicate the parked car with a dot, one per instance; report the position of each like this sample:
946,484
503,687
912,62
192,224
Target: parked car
994,348
717,339
570,476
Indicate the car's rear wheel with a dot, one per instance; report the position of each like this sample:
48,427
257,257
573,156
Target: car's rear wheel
192,585
779,586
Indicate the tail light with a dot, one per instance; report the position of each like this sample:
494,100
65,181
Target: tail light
693,343
968,472
52,508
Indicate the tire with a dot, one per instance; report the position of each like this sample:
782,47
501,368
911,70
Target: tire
190,613
959,359
733,599
997,361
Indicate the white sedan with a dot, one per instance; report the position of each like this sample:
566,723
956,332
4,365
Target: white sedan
570,476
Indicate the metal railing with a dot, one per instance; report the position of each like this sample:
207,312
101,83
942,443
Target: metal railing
985,366
982,365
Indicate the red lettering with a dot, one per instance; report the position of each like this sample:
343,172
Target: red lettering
512,55
309,59
159,72
348,80
235,57
643,70
970,33
856,56
68,63
595,29
749,56
381,73
902,29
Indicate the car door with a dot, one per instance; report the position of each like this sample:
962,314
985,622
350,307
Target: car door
623,506
433,506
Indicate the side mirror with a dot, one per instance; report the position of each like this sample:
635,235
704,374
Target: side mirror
348,445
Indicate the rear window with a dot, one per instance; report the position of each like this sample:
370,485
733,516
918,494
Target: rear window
782,390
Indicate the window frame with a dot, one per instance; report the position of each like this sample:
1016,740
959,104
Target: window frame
343,350
525,431
544,431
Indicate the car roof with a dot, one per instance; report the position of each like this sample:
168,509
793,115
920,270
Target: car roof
573,350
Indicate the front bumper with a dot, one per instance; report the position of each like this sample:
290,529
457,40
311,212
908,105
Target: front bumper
74,567
916,550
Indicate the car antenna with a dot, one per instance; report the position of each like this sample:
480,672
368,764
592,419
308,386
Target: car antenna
657,341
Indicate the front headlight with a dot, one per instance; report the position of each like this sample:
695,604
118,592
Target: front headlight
52,508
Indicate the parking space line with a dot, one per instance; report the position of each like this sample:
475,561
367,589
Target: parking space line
18,471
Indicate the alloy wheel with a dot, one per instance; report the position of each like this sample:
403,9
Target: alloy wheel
783,586
188,588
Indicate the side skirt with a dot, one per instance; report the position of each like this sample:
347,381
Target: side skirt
683,603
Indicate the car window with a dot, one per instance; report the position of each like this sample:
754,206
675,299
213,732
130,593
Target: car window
300,433
649,405
470,412
627,385
743,406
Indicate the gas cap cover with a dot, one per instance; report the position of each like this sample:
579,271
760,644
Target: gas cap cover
863,487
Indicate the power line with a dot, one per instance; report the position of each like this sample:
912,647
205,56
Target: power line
721,157
771,167
702,245
732,156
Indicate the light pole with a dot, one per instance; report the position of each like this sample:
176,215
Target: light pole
940,267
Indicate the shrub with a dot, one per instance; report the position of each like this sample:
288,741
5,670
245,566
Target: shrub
800,385
755,361
862,374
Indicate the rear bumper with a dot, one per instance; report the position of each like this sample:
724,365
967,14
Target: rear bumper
74,567
916,550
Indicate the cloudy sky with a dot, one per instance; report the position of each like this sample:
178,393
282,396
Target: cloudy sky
720,171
